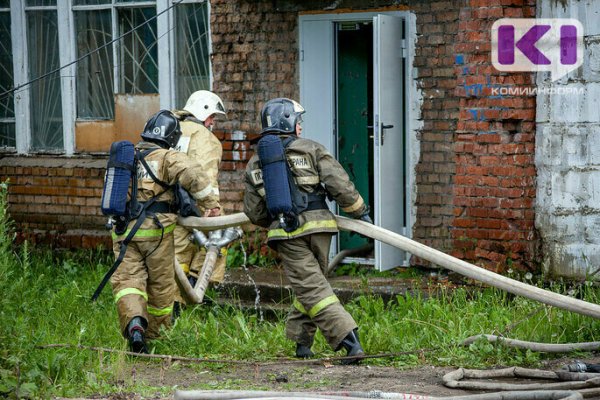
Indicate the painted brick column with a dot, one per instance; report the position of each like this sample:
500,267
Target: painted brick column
494,186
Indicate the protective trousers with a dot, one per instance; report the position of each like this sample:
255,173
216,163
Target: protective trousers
144,284
316,306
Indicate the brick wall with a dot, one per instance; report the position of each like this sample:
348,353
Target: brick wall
254,59
475,175
494,146
56,201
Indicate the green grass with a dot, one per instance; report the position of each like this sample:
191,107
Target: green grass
45,299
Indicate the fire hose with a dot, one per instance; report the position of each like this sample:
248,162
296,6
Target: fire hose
586,387
427,253
213,244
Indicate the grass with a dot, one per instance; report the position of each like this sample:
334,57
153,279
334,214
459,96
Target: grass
45,299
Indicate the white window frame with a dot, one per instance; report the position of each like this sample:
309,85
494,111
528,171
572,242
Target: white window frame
68,53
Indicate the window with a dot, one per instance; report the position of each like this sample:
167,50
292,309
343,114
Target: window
192,50
7,108
122,47
137,54
93,30
43,57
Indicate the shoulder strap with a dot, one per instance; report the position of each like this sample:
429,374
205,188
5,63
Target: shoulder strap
288,140
140,155
123,248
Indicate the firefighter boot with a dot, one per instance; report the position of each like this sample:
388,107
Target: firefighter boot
352,346
135,333
303,351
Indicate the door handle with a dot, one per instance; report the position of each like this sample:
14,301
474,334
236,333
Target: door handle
383,128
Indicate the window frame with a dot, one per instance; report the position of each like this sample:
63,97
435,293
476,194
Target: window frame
14,118
68,53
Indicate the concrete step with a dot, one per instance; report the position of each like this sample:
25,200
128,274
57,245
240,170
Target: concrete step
275,291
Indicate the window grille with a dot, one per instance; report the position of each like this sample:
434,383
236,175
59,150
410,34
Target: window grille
192,52
7,107
43,57
138,52
95,72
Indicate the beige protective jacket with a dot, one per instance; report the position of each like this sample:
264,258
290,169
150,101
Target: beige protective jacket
312,166
201,145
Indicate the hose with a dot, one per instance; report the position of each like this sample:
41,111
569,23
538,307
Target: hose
212,253
427,253
454,380
187,291
347,253
534,346
267,395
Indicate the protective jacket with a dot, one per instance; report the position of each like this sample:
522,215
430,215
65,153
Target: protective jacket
313,169
144,285
201,145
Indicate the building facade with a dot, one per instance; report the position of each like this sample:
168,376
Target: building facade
403,93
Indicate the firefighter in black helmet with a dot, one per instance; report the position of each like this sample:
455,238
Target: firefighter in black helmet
305,250
144,284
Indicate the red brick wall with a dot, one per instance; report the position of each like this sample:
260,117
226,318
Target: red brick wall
475,176
254,60
56,201
494,186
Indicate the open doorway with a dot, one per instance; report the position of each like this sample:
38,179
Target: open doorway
352,85
354,116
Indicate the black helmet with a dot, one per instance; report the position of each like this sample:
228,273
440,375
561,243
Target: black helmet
163,129
280,116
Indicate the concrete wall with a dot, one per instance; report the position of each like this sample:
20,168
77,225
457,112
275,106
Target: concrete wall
568,152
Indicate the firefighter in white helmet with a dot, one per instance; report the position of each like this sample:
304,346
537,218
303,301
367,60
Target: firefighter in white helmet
199,143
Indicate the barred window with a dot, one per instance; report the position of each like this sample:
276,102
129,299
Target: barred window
7,106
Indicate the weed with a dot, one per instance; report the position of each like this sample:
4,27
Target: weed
45,299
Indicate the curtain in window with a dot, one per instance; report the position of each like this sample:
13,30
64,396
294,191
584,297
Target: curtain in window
138,53
192,57
7,107
46,109
95,72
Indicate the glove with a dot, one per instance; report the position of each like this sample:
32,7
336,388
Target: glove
366,218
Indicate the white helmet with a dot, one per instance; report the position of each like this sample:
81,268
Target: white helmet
202,104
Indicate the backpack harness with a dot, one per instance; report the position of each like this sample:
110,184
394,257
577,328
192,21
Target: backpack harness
285,201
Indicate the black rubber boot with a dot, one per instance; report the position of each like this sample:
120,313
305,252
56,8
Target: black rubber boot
177,306
135,333
353,348
303,351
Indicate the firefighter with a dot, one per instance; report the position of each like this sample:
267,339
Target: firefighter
199,143
304,248
144,284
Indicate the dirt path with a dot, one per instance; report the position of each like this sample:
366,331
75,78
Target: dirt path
425,380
